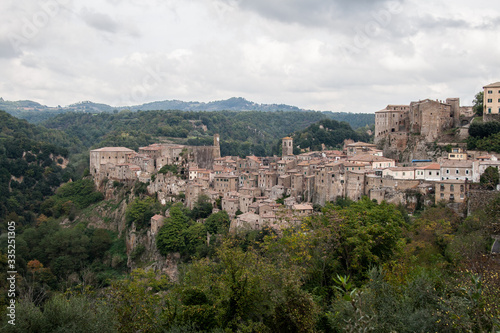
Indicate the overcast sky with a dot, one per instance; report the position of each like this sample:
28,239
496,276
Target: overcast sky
337,55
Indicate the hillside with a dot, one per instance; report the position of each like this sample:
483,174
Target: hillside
330,133
231,104
242,133
33,163
100,262
35,112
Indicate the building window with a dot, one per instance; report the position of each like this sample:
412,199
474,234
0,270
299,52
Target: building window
447,171
442,187
489,110
442,195
452,188
490,100
461,188
461,195
490,91
457,172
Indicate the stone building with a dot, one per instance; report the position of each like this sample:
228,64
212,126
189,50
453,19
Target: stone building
287,147
225,183
394,118
451,190
455,169
372,161
120,163
108,155
426,118
430,118
491,99
360,148
429,172
399,173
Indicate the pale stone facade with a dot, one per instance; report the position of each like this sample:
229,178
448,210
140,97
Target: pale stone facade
426,118
451,190
491,98
457,170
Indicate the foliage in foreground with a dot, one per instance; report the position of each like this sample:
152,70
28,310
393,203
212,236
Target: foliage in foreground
355,267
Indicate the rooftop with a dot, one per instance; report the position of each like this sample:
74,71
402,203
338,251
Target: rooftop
432,166
302,207
114,149
493,85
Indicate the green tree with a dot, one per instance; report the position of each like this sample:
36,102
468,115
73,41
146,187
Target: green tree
218,223
171,237
202,208
140,212
477,103
490,178
136,301
195,239
251,293
61,314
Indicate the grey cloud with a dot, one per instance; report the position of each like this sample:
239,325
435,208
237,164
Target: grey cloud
310,12
489,24
99,21
435,23
7,48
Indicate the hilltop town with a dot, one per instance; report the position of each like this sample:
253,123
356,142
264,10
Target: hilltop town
258,191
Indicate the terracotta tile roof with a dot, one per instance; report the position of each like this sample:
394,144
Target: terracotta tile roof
433,166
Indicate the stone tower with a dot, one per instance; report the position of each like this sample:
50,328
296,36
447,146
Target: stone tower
455,110
287,149
216,150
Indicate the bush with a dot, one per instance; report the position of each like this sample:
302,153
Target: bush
169,168
141,211
60,314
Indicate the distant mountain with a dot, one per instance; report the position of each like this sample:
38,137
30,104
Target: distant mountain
231,104
35,112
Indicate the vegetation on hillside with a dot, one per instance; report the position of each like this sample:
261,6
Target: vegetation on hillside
358,266
355,266
242,133
331,133
33,164
484,136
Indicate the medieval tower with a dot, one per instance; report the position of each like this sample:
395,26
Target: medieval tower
216,153
287,149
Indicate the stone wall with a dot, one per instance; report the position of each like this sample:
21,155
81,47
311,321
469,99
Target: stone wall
491,117
204,156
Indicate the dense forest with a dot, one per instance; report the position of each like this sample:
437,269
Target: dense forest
33,164
242,133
